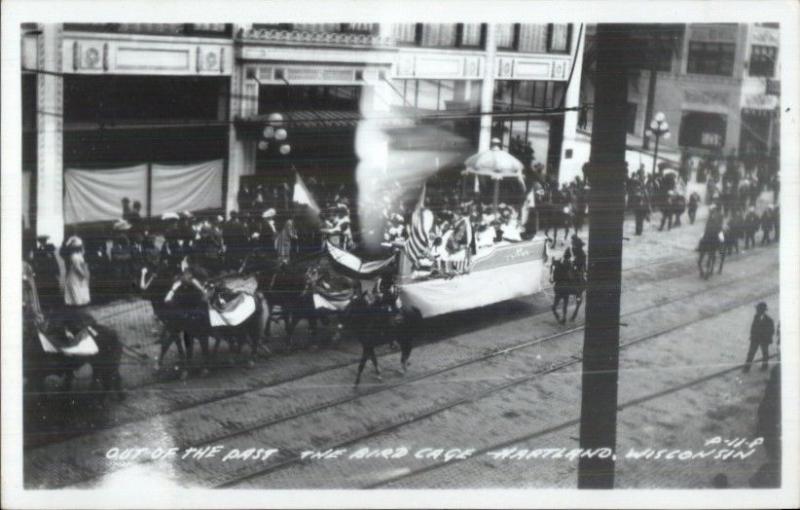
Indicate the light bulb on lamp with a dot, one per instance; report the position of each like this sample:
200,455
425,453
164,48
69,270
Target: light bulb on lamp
660,117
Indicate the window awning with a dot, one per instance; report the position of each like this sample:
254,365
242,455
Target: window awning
316,120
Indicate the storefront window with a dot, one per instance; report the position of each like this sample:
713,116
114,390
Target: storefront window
405,33
505,36
428,95
439,35
558,37
762,61
503,95
705,130
358,28
526,137
533,38
711,58
471,35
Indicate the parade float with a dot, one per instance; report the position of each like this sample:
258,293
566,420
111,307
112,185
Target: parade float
484,274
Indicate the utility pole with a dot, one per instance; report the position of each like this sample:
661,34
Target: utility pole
651,97
607,173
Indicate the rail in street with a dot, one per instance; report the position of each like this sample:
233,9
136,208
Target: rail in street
319,409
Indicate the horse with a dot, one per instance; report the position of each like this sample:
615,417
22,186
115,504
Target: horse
40,362
557,212
374,319
568,280
185,308
154,283
287,287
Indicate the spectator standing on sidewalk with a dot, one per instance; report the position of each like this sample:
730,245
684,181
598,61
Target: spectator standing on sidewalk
76,281
694,202
761,331
767,224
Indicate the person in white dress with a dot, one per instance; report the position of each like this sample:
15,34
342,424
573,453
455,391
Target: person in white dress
76,280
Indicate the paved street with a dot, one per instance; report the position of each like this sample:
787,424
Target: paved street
480,382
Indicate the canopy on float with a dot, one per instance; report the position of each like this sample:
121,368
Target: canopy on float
496,164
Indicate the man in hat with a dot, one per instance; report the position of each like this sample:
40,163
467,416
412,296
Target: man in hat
578,254
234,235
171,250
122,254
767,224
637,200
268,231
45,267
761,331
751,223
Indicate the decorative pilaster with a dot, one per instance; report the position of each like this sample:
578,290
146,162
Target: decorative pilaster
50,138
572,167
241,153
487,89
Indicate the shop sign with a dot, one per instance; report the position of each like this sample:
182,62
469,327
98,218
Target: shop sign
760,102
706,97
765,36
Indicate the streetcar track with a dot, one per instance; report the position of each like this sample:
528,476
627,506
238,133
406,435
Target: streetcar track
488,392
560,426
379,387
142,358
573,359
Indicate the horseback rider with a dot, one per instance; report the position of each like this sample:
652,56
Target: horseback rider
578,255
713,224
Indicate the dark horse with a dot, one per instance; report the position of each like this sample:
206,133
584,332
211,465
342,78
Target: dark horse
182,305
374,319
38,363
568,280
289,290
556,212
712,242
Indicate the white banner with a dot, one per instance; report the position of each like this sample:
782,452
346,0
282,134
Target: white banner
187,187
96,195
439,296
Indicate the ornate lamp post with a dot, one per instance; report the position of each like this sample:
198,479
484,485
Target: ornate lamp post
658,128
274,132
275,135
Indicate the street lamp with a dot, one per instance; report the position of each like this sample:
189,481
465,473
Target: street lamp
274,131
658,128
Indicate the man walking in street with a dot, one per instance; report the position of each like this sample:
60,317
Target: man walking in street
761,332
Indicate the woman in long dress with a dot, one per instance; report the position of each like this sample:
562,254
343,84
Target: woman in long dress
76,281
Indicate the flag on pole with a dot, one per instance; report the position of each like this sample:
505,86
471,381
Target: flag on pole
302,196
416,247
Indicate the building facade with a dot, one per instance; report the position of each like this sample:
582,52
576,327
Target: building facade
718,86
104,96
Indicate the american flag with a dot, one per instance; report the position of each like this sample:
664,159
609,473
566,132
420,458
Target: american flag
419,238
